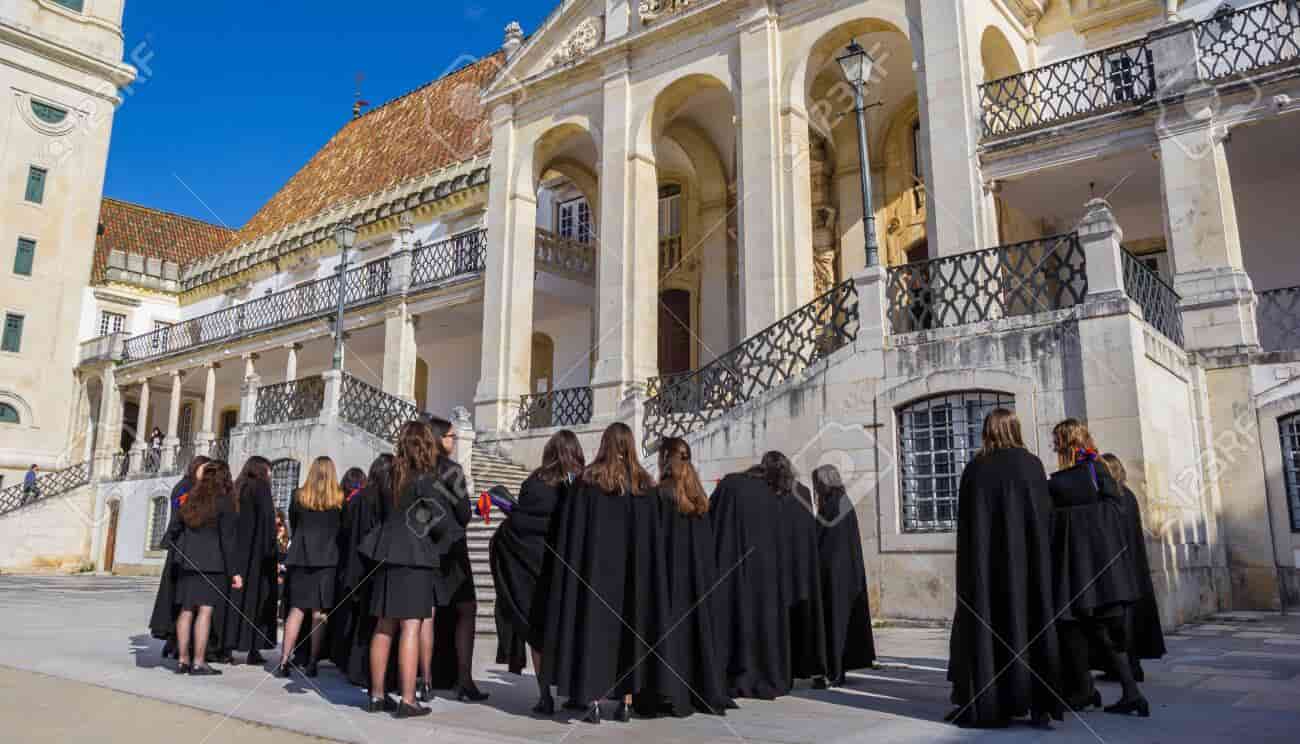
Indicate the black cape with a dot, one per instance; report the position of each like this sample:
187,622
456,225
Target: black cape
518,557
675,583
1093,568
753,603
849,641
251,625
1005,603
162,620
350,625
1144,638
807,610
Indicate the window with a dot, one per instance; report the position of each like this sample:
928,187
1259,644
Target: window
9,414
111,322
574,220
936,438
49,114
1290,430
284,481
24,256
157,522
77,5
36,185
160,334
13,333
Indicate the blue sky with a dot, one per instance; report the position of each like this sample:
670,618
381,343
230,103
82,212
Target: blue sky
237,94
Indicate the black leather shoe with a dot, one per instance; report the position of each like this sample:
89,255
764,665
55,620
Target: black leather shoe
282,671
819,683
378,705
1138,705
545,706
623,713
422,691
311,670
205,671
470,694
182,669
593,714
731,704
411,711
255,658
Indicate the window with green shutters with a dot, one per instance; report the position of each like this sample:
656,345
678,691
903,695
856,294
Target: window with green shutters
25,256
36,185
13,333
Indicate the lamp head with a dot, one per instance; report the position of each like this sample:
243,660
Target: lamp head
856,64
345,235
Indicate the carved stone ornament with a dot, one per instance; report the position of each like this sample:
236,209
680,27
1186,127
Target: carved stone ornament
586,37
653,10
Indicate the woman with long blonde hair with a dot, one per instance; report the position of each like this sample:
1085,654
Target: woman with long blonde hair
315,518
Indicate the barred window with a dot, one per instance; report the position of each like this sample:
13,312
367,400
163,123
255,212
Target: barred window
158,521
1290,430
936,437
284,481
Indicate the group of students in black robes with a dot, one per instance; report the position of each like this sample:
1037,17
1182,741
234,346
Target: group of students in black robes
1052,581
669,601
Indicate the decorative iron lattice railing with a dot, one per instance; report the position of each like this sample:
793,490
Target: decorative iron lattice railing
458,255
1278,316
1019,279
566,256
290,401
118,466
1081,86
1158,300
680,404
372,409
1247,39
219,449
563,407
361,285
46,486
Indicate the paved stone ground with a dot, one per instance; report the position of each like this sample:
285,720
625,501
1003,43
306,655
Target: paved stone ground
1237,677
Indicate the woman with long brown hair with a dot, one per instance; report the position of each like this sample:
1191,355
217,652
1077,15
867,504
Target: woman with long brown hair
520,560
590,654
1093,570
202,535
1003,659
252,626
315,518
162,623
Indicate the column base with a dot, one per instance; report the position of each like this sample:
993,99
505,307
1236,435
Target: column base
1218,307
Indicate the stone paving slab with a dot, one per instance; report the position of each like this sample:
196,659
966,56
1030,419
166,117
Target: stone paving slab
1214,686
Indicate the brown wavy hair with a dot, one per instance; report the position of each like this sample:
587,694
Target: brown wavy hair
1068,437
616,467
1115,467
678,473
417,452
213,491
1001,431
562,457
256,469
321,491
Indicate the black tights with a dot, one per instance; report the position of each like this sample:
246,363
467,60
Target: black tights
1078,638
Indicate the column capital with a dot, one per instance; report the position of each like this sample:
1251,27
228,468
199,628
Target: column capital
212,365
292,346
177,375
250,356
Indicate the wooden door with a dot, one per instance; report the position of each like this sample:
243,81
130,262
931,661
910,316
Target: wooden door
675,331
110,544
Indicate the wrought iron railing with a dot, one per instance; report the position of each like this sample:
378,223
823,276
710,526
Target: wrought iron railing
46,486
219,449
566,256
361,285
563,407
459,255
1080,86
1247,39
119,465
152,460
1278,316
1158,300
372,409
1019,279
681,404
290,401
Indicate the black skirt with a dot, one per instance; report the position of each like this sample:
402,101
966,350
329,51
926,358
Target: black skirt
453,581
402,592
196,588
310,588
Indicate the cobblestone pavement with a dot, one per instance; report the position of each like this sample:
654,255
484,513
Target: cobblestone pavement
1234,677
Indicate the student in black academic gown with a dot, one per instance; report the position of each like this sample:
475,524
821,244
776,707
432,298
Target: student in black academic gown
342,627
1003,660
591,652
1146,639
251,625
519,557
849,642
163,620
361,515
315,519
685,672
202,535
1094,576
803,570
751,537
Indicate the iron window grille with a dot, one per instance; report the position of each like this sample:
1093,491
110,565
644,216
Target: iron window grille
158,516
35,185
937,437
284,481
1290,431
12,340
110,322
24,256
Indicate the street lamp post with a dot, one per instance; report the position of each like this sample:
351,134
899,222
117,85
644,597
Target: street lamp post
345,235
857,66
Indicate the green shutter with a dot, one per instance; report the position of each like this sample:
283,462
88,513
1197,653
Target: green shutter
24,256
13,334
35,185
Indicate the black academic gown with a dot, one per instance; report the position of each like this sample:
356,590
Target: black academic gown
675,582
1005,601
253,626
1093,568
162,620
1144,638
849,641
591,637
753,603
807,608
518,555
351,625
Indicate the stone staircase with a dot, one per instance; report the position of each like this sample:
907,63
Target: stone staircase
489,468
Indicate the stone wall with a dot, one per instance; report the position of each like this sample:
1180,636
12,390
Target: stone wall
53,533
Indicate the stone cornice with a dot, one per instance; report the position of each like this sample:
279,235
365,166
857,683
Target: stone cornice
119,74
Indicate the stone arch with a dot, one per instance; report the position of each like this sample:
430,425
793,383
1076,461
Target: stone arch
552,143
666,102
997,58
20,406
810,54
542,365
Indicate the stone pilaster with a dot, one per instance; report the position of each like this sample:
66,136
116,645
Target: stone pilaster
400,353
203,441
141,442
248,391
173,422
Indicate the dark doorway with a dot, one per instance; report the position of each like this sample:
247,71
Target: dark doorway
130,417
674,332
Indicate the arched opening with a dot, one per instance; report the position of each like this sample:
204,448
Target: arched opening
999,61
421,384
542,376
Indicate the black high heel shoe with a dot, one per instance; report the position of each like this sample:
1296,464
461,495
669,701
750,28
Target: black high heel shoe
470,694
545,706
623,713
1138,705
411,711
593,714
1091,702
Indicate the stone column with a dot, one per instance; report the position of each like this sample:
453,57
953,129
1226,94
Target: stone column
961,216
463,425
248,391
291,362
399,263
141,444
109,437
508,282
333,394
400,353
796,176
173,423
1100,236
207,431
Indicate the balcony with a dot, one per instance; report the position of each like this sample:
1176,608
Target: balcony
1278,316
567,257
102,348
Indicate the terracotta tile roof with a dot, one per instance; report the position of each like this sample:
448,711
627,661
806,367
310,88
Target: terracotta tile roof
153,233
434,126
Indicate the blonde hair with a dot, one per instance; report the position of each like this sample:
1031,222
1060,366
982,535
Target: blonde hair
321,492
1068,437
1115,467
1001,431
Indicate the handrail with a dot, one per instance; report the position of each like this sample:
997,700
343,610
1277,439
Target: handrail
47,486
1158,300
1239,40
562,407
375,411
